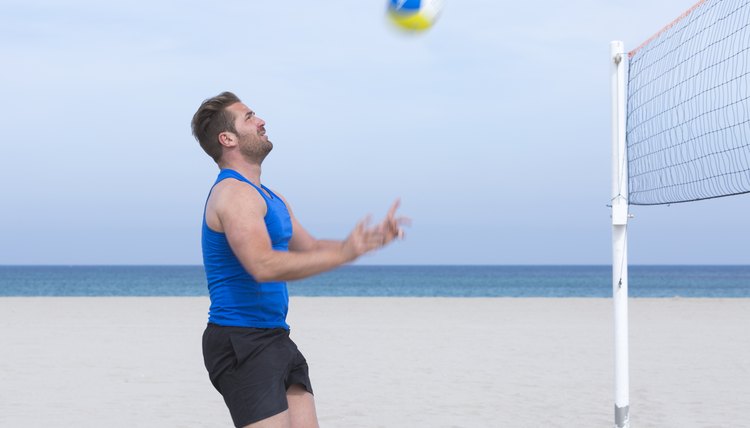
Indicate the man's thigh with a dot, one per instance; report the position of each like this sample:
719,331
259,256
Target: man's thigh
301,413
301,407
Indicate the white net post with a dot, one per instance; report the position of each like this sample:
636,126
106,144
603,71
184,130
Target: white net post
619,70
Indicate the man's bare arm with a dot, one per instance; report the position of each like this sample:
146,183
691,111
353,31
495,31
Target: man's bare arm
302,240
240,210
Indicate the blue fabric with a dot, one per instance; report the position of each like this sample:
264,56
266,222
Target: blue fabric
237,299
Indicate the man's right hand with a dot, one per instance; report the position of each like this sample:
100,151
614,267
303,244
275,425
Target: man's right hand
364,238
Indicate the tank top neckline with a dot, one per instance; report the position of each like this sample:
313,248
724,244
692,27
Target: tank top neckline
235,174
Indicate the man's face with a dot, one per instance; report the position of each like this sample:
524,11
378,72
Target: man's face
251,131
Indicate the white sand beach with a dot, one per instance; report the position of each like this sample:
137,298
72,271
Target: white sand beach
384,362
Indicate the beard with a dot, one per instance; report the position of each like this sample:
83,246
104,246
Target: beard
255,149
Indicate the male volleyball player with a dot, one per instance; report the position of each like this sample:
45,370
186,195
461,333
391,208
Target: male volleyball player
252,244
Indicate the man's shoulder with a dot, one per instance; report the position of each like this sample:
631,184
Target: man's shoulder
231,184
235,194
277,193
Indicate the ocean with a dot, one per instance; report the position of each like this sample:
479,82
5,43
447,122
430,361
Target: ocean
719,281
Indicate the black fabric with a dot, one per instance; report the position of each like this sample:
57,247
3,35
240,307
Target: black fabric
252,368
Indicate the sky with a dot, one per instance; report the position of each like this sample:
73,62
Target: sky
493,128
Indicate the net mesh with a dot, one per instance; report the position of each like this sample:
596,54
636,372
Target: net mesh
688,107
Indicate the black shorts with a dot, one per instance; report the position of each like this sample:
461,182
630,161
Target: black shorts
252,368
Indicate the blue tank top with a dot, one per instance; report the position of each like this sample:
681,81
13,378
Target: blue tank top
237,299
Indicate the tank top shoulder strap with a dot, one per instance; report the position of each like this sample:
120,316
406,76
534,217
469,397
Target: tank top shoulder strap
230,173
271,194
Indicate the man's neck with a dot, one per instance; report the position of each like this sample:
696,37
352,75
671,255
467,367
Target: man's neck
248,170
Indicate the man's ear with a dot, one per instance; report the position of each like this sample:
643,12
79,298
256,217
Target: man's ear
227,139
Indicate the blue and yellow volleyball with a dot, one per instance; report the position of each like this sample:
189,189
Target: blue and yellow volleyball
414,15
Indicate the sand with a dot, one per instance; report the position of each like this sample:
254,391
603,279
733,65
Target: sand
384,362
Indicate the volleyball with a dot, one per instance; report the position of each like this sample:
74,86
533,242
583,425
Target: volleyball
414,15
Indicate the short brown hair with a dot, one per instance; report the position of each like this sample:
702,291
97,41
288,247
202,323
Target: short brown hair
211,119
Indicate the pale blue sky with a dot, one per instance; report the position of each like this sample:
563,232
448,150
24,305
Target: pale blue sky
493,128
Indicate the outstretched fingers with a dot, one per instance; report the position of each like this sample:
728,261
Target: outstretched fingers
362,239
391,225
401,221
394,208
365,238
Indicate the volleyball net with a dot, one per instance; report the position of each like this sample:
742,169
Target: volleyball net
680,133
688,107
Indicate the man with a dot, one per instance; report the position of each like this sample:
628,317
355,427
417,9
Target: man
252,244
